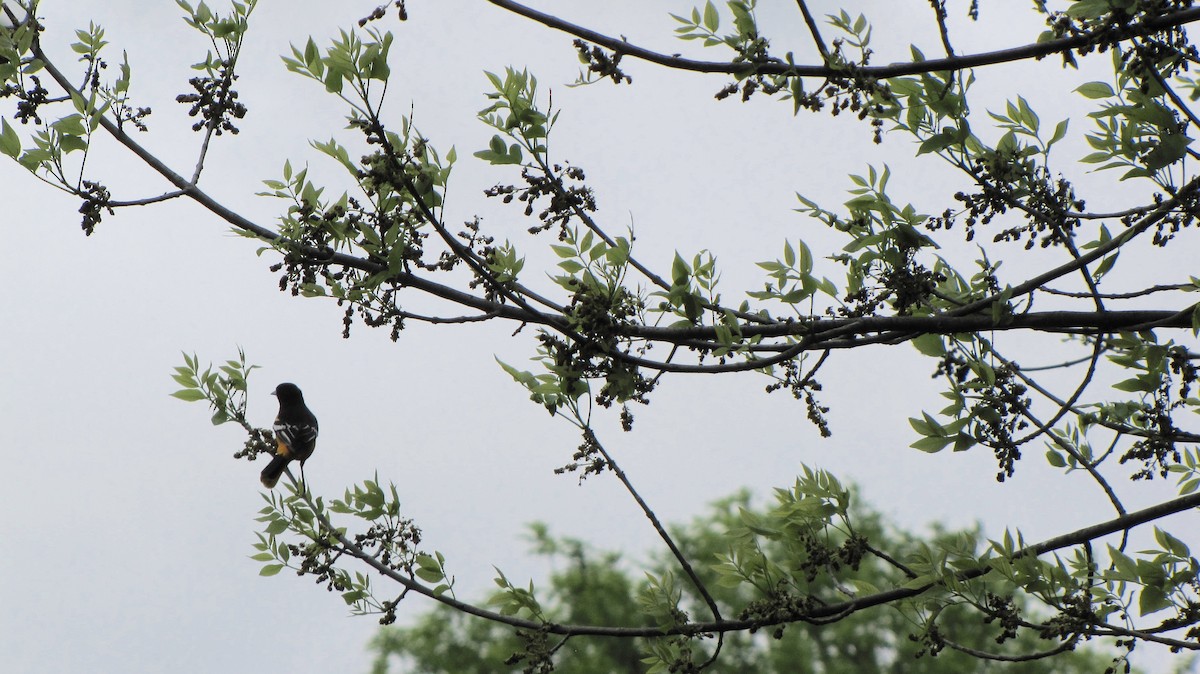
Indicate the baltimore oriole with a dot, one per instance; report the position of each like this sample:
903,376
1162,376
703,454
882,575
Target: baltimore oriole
295,433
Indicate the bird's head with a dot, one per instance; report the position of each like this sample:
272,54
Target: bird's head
288,393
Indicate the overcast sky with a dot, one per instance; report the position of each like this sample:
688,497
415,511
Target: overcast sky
128,526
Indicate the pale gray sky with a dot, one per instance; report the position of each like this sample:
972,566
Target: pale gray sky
128,528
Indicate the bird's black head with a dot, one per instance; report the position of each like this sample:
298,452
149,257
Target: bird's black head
288,393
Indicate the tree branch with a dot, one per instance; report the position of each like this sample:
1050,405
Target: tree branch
814,30
658,527
1030,51
819,614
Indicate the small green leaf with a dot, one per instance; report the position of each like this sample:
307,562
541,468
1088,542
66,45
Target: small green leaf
930,344
918,583
1055,459
10,142
1089,9
1060,132
1171,544
270,570
712,20
277,527
71,143
1152,600
931,444
1095,90
1139,384
679,270
430,575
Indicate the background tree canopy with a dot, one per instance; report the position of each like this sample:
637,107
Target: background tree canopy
1037,266
588,586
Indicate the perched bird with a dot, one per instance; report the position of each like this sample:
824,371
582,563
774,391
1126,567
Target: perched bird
295,433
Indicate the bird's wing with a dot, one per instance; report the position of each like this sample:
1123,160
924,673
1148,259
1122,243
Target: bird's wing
297,436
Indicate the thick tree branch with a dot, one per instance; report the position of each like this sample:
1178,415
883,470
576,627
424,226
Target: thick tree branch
1081,322
1030,51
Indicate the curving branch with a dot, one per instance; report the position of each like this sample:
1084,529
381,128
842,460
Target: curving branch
1024,657
1025,52
820,614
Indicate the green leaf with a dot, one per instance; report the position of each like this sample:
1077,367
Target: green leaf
918,583
712,20
931,444
333,81
1060,132
1139,384
930,344
71,143
1170,149
1124,566
189,394
1152,600
10,142
430,575
271,569
71,124
679,269
1089,9
277,527
1095,90
1171,544
937,142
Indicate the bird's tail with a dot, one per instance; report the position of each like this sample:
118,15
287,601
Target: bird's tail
270,474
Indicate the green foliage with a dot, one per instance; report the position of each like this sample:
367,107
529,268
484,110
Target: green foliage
348,60
298,534
225,389
777,545
514,113
704,26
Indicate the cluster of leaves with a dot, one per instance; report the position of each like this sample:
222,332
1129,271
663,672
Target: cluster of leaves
70,133
315,548
594,587
226,391
214,99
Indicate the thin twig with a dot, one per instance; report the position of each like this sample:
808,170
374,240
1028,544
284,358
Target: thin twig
658,527
167,196
1122,296
939,10
999,657
814,30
